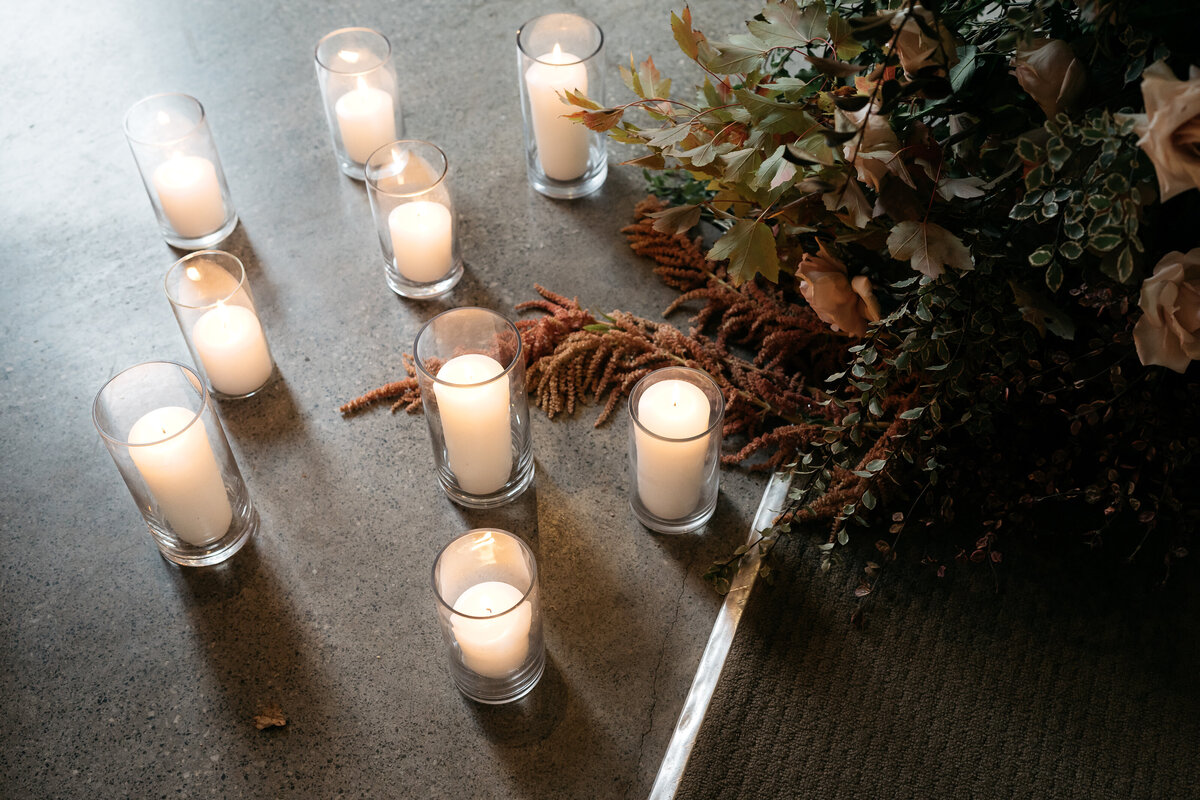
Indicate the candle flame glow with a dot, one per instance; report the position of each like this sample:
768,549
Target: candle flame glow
164,118
193,273
351,56
557,51
361,83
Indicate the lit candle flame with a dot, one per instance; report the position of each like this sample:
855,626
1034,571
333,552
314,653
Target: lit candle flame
193,273
361,83
164,118
557,52
350,56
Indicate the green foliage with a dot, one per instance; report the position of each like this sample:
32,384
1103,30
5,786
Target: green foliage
1005,248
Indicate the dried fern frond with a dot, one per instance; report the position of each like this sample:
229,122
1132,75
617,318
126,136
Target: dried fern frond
574,358
406,392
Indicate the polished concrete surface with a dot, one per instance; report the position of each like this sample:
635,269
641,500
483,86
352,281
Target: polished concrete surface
124,676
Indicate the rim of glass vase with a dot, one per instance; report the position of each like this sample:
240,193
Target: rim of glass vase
581,59
387,43
192,377
164,142
717,418
374,182
211,304
517,356
533,573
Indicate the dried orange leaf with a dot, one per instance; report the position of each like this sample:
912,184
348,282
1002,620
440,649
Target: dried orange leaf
270,717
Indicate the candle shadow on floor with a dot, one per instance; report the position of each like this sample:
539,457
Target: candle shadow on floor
627,613
519,517
270,415
531,719
549,742
728,529
259,650
471,290
559,741
587,562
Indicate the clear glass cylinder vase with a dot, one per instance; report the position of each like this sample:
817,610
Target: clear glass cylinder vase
177,159
359,90
157,422
676,415
557,53
211,300
414,216
471,370
485,585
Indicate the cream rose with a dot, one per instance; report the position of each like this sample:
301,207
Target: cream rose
1170,303
844,305
1049,72
1170,128
915,48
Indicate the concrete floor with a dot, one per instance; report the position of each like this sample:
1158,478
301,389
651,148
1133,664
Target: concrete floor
122,675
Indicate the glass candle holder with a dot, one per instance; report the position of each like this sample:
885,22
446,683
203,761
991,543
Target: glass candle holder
212,303
486,588
557,53
160,428
358,87
471,370
178,162
414,216
676,416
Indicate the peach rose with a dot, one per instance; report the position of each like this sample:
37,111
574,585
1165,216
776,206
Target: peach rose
1170,128
916,48
843,304
1170,303
1049,72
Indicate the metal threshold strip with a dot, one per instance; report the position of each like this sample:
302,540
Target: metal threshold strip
695,706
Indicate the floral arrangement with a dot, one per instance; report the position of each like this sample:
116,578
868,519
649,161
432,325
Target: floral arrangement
954,283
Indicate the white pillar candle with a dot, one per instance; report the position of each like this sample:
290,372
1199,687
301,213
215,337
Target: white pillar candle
562,145
498,646
671,473
475,422
181,472
190,195
367,120
422,240
230,343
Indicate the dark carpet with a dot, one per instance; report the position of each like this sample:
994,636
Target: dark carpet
1069,676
